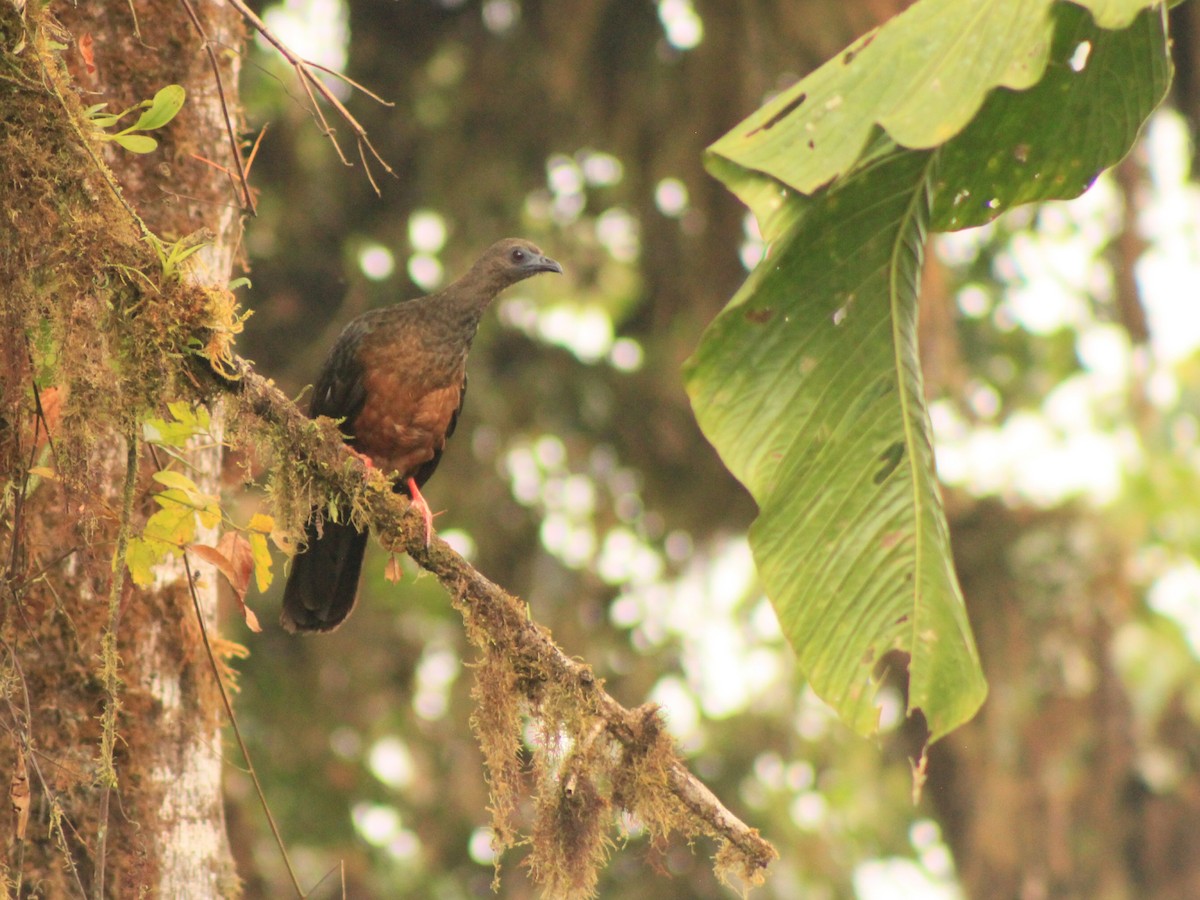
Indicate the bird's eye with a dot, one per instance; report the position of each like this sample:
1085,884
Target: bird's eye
518,255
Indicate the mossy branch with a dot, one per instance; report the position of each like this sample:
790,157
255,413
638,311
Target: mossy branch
647,777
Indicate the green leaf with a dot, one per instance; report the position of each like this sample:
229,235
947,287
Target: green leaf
173,479
195,417
922,78
163,108
174,524
141,556
1051,141
810,386
136,143
809,382
188,422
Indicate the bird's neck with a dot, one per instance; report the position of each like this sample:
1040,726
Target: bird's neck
452,315
461,305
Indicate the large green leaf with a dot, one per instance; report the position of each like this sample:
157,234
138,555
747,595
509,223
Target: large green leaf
810,386
922,77
809,382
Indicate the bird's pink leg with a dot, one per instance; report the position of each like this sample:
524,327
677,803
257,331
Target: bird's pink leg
362,457
419,503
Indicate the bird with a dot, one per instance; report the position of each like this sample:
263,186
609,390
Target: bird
396,379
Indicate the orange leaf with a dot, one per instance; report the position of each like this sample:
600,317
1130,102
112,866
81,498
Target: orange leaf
215,557
51,402
86,51
237,549
234,559
251,618
393,572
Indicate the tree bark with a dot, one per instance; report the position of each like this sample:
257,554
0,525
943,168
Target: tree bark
158,829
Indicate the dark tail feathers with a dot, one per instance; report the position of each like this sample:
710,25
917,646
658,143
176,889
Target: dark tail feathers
323,583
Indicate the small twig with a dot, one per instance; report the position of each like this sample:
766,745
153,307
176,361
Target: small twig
23,724
237,731
104,171
341,76
309,80
109,661
247,198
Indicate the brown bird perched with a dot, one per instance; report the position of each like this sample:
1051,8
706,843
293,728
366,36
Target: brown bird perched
396,377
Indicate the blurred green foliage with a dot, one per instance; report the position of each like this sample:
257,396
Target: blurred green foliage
579,480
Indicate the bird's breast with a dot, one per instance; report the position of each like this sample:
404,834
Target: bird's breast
407,411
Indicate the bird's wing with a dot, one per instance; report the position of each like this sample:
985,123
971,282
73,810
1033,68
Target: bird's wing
341,390
462,397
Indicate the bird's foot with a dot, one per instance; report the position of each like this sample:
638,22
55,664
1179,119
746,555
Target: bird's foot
362,457
421,506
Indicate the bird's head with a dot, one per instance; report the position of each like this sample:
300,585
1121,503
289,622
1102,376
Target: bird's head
515,259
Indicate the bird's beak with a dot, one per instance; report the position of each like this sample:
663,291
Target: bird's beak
545,264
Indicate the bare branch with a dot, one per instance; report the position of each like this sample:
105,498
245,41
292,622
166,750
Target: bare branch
309,80
247,198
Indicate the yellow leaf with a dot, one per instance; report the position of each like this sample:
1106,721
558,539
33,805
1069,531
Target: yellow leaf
140,557
262,560
262,523
173,479
210,514
174,524
44,472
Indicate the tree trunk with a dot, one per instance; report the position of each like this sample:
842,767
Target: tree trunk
152,823
1060,787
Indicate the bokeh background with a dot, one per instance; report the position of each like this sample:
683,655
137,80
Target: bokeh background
1060,349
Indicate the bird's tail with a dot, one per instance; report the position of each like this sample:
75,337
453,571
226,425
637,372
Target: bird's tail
323,583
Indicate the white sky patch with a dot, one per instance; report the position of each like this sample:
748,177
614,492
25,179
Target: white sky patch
1045,459
681,23
730,660
427,231
1169,270
1079,59
585,331
316,30
563,175
377,823
601,169
500,16
391,762
376,261
617,231
1176,595
897,878
460,542
435,675
809,810
626,355
682,714
405,846
425,271
479,846
671,197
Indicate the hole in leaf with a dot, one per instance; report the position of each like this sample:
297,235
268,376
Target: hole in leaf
1079,59
891,459
779,116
